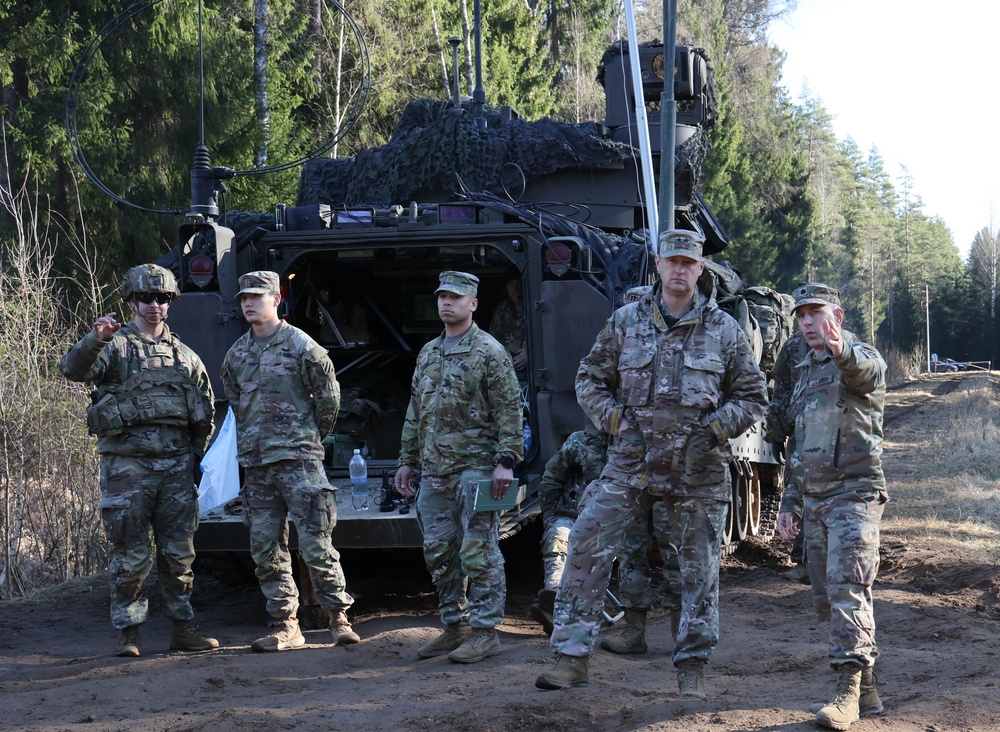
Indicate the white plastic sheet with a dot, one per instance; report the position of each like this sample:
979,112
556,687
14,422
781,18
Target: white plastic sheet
220,481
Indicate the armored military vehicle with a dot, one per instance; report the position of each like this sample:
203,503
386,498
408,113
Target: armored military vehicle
460,186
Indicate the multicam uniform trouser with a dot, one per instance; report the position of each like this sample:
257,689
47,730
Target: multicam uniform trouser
139,495
696,527
635,588
842,542
300,489
555,543
462,549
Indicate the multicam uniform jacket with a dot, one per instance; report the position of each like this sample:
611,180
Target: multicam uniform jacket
465,407
837,405
152,398
284,394
569,471
507,326
780,422
685,389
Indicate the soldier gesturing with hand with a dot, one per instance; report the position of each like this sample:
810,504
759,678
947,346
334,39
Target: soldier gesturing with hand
838,487
106,326
152,413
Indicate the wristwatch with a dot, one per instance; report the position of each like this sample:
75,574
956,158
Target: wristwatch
506,461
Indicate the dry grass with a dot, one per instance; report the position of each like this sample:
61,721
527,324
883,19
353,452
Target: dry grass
943,467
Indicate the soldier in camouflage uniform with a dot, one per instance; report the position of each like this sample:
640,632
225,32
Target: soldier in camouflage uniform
571,469
635,586
780,424
463,425
284,393
671,378
507,323
838,491
152,412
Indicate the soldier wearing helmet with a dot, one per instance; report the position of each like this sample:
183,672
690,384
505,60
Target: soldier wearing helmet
152,411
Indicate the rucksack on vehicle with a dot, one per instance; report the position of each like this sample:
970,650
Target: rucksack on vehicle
773,313
739,307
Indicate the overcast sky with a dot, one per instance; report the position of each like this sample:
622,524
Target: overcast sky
916,79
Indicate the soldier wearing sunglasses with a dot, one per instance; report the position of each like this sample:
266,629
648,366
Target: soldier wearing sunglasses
152,411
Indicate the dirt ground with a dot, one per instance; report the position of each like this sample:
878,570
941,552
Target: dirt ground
938,619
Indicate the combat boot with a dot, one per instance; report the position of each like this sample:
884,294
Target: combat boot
798,573
286,635
840,713
129,643
570,672
185,638
451,638
631,638
543,610
691,678
675,623
341,629
481,643
869,705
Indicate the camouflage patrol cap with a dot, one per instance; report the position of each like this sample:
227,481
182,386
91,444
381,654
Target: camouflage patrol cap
815,293
149,278
681,243
258,283
461,283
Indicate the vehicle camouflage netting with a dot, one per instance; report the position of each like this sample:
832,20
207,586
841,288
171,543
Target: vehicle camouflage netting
437,147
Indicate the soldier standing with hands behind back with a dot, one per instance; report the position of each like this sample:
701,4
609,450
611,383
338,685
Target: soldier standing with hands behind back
464,418
838,491
284,393
152,414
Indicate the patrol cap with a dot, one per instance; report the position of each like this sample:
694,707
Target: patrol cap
815,293
261,282
681,243
461,283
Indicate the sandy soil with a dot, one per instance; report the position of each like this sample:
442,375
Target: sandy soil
938,616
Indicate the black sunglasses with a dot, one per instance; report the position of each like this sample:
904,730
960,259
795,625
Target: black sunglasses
148,297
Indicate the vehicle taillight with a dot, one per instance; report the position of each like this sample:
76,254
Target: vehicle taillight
200,270
558,258
284,309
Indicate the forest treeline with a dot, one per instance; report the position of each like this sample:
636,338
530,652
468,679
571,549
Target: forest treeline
283,75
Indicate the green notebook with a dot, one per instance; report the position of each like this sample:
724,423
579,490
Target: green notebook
485,501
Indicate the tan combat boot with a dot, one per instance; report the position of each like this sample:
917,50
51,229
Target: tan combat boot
185,638
691,678
286,635
341,629
570,672
869,705
129,643
631,638
451,638
481,643
840,713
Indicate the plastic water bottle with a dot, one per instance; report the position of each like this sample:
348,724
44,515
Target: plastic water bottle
359,481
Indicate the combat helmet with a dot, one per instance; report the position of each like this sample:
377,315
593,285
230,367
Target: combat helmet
149,278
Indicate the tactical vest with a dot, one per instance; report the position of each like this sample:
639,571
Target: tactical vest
162,392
